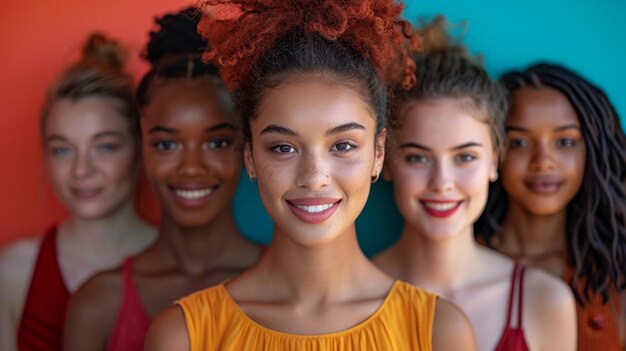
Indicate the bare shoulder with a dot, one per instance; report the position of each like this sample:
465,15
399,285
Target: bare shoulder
549,318
17,262
92,312
452,329
168,331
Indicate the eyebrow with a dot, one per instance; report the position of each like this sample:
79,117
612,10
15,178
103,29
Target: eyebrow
526,130
272,128
107,133
336,130
55,137
422,147
163,129
344,128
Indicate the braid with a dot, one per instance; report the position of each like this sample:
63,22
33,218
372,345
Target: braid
175,51
596,216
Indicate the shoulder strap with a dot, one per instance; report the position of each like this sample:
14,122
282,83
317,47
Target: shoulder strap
511,295
520,297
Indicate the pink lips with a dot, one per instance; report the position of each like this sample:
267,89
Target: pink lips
440,208
85,193
313,210
543,185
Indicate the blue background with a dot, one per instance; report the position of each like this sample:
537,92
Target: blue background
587,36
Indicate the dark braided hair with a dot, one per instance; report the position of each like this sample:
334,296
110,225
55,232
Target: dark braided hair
596,216
174,52
444,70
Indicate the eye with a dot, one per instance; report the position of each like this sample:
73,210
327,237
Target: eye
218,143
60,150
565,142
464,158
107,147
284,149
343,146
517,143
165,145
416,159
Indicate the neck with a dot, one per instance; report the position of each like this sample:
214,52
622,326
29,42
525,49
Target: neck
527,235
438,265
198,250
325,272
111,231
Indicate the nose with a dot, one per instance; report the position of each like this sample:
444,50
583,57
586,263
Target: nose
192,163
542,158
441,179
83,164
312,172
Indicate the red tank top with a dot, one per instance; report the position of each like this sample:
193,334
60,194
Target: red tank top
41,327
133,321
513,337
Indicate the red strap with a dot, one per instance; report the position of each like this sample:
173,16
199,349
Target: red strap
511,293
520,297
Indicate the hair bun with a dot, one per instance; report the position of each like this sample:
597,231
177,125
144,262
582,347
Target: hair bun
437,36
104,50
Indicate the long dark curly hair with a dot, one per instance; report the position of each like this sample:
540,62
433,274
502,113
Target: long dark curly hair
596,216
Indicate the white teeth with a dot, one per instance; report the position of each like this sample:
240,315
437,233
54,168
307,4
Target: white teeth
440,206
193,194
315,209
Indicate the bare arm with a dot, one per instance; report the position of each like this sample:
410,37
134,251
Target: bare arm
452,329
92,312
549,319
16,269
168,332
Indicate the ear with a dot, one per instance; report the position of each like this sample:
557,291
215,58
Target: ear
248,160
380,153
493,171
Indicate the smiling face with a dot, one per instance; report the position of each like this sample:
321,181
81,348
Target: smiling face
545,160
189,154
91,156
313,151
441,167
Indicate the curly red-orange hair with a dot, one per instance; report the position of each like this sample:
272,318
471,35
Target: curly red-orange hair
241,35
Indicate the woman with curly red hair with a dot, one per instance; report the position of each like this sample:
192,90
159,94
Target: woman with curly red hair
310,78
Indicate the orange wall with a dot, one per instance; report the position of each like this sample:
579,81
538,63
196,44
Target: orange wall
37,40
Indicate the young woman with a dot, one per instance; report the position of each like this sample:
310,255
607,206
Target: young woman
565,204
193,166
91,151
445,140
311,87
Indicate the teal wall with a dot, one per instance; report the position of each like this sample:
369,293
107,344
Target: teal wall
587,36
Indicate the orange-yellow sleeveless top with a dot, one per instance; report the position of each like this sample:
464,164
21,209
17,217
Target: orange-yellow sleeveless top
403,322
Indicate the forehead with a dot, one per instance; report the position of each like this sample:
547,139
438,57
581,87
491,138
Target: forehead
541,107
84,118
185,103
445,122
313,104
